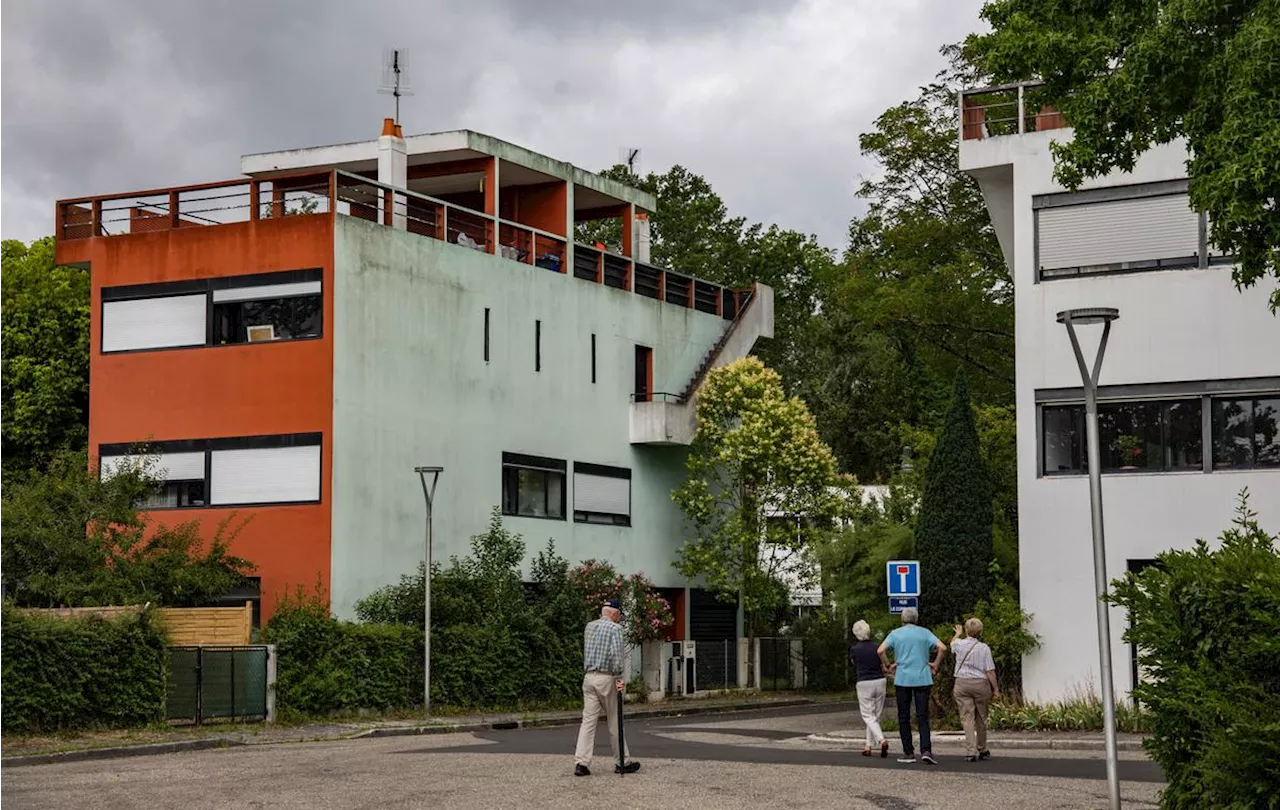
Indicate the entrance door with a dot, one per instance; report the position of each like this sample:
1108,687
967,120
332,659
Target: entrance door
713,626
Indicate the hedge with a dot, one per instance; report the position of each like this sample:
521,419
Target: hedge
83,672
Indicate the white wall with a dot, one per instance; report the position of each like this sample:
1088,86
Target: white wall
1175,325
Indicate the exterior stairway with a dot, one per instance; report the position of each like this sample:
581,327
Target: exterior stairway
671,419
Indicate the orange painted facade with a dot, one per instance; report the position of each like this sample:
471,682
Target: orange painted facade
223,391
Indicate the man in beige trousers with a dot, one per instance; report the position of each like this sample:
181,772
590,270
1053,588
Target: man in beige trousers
602,652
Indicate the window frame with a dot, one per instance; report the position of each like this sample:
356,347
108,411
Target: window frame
515,462
208,447
1252,399
602,471
207,287
1162,426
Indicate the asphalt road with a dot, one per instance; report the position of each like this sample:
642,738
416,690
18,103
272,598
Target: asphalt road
756,759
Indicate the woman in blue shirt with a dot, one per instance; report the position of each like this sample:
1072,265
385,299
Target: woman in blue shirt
912,673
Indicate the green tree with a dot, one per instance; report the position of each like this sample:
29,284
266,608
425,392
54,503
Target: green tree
1206,623
953,531
1128,76
756,453
45,366
853,568
74,539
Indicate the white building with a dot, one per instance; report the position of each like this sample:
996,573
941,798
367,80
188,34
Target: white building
1189,399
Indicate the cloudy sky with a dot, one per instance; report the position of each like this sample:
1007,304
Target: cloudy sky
766,98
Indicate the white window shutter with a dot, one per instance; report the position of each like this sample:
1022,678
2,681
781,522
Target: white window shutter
267,291
265,475
1117,232
168,466
153,323
601,494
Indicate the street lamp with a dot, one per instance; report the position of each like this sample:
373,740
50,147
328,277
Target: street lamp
429,494
1085,317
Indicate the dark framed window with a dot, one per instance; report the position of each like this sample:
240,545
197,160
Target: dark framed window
177,495
601,494
1246,432
1134,436
533,486
267,319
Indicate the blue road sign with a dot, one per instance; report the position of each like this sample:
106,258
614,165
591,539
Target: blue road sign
904,577
897,604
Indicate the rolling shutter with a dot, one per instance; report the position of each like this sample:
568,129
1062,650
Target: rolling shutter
266,475
601,494
267,291
168,467
153,323
1118,232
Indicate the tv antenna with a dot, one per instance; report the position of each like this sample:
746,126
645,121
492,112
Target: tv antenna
631,157
395,78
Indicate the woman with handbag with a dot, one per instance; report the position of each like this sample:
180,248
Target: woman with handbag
975,688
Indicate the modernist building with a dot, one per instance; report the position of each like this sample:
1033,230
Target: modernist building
1189,407
294,342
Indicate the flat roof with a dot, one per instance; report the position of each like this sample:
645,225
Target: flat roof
439,147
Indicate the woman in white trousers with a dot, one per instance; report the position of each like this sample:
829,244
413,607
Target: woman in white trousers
871,686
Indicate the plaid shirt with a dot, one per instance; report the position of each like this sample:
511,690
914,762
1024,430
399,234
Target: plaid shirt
602,647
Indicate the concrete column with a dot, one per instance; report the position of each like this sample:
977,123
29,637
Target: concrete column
643,240
743,653
393,168
271,683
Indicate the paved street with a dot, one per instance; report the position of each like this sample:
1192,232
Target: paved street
748,759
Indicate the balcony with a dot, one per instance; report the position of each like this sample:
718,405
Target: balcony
1008,109
332,191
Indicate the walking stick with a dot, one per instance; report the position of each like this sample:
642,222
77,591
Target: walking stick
622,740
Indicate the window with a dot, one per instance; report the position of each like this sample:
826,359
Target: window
486,334
1120,229
1133,436
219,311
601,494
1246,432
267,313
533,486
644,374
537,345
593,358
226,472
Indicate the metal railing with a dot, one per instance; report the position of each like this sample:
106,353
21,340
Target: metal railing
1007,109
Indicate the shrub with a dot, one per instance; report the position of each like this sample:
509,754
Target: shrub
1207,628
1080,714
826,650
82,672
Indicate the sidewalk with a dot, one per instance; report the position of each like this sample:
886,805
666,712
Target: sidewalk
1006,740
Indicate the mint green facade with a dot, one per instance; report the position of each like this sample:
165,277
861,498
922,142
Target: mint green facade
412,387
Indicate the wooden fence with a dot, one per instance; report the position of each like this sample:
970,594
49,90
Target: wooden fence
223,626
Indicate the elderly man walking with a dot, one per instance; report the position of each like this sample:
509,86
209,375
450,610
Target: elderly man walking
912,679
602,652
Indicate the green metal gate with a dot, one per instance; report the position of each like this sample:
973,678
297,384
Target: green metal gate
217,683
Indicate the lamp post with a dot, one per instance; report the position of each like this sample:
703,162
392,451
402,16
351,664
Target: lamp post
1070,318
428,494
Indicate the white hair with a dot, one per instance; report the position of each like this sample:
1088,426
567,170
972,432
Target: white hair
910,616
973,627
861,630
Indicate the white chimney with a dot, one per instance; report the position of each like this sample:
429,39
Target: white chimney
393,167
642,238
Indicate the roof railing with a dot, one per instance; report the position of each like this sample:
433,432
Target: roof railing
1006,109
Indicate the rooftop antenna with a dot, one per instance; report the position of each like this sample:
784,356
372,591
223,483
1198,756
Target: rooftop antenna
395,76
631,158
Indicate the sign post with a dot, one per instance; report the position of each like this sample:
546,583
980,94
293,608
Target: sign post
903,580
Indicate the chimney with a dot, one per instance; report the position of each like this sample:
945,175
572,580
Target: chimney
393,166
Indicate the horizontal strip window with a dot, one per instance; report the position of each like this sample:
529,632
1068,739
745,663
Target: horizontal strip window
1138,436
1168,390
1124,235
225,311
601,494
241,471
1246,432
533,486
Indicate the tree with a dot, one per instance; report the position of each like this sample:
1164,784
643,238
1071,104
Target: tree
1205,624
756,453
74,539
45,366
953,532
1128,76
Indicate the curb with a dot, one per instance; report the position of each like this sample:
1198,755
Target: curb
1009,744
115,752
550,722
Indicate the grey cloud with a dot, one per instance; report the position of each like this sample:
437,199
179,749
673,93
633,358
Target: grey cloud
764,98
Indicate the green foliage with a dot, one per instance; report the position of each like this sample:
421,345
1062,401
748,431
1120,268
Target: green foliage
953,532
853,565
826,651
1131,75
81,672
73,539
324,665
45,367
1207,627
755,451
1004,629
1084,714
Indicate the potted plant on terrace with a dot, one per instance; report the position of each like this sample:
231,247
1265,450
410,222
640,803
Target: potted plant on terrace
1130,447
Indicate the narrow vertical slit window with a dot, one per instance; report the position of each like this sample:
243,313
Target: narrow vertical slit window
537,345
593,358
486,334
644,374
